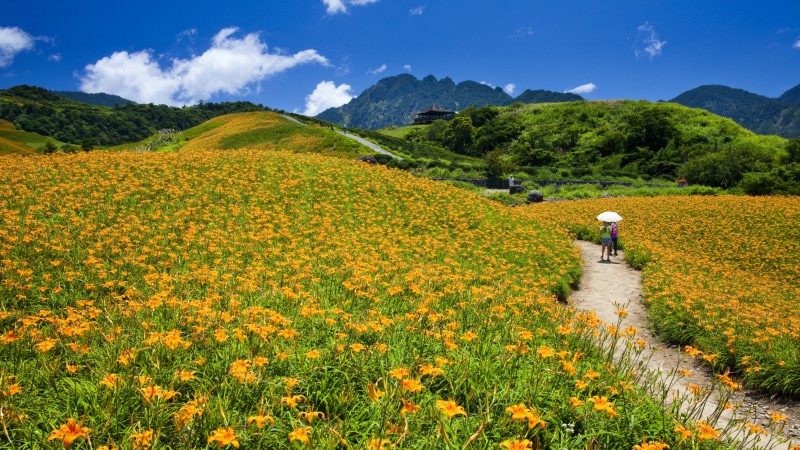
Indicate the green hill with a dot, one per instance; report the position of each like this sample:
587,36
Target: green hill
395,100
656,139
755,112
616,138
38,110
17,142
98,99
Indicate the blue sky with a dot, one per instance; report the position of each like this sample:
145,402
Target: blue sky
307,55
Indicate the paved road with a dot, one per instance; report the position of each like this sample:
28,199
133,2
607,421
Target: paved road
292,119
369,144
361,141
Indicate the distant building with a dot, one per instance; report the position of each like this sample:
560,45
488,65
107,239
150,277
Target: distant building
431,114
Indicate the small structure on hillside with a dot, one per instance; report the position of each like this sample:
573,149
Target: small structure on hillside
431,114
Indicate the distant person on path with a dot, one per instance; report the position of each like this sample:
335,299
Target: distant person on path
345,129
605,241
614,237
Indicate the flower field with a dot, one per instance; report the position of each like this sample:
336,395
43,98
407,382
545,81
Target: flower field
274,299
721,275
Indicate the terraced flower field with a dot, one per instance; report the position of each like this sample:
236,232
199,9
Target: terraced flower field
270,299
721,275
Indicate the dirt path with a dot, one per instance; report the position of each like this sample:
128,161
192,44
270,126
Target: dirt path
607,285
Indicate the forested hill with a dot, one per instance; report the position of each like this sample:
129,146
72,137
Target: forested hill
98,99
633,138
37,110
755,112
395,100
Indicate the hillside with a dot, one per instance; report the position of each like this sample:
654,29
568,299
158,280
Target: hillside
17,142
257,130
38,110
394,100
755,112
792,96
618,138
97,99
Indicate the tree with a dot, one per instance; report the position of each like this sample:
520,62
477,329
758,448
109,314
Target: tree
726,168
498,164
49,147
792,151
66,148
459,135
88,144
435,131
480,116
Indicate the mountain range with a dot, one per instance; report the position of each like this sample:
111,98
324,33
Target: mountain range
394,100
760,114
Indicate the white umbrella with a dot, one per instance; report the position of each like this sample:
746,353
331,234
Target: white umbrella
609,216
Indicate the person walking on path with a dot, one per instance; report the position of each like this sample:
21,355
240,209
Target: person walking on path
605,241
614,237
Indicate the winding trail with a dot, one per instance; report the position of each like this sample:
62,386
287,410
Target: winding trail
609,286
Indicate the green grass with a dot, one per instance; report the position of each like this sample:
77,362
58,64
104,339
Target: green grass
414,150
579,191
400,132
13,141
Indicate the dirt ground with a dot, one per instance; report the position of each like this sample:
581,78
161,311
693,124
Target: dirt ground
606,285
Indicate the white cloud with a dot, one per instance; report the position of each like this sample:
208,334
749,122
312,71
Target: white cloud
796,44
648,42
335,6
407,67
522,32
230,65
327,95
191,33
509,88
417,11
55,57
378,70
13,40
340,6
486,83
582,89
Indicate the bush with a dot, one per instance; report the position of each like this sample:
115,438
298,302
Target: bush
758,183
580,172
383,159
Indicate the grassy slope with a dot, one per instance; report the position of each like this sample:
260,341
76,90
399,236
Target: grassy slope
13,141
260,130
592,122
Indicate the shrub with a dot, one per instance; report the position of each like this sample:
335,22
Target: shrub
758,183
383,159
